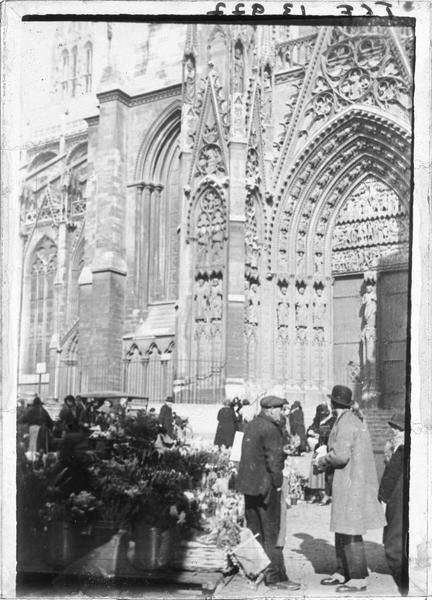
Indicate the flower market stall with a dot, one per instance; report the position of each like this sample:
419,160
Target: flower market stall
125,509
111,502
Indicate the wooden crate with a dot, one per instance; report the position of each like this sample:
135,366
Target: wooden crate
195,556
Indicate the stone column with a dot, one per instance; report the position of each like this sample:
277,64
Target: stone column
155,242
108,267
235,341
59,309
184,323
143,199
85,280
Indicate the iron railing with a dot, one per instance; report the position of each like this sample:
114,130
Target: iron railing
155,377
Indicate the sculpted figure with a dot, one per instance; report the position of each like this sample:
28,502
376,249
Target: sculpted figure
238,81
190,73
283,307
215,299
369,302
201,299
252,305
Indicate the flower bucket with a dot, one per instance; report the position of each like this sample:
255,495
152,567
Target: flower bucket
61,543
293,500
153,547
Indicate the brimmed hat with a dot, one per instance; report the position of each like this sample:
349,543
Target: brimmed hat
169,399
341,396
397,421
272,402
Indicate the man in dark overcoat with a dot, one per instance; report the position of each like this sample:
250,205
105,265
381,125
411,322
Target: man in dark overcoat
260,480
355,507
166,416
391,492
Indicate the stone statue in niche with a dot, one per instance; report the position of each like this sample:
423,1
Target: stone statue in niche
253,302
216,299
283,309
267,95
301,312
368,337
369,302
203,234
238,76
201,299
319,262
189,79
319,308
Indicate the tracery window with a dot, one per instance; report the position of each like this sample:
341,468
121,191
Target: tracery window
65,72
42,272
74,71
88,67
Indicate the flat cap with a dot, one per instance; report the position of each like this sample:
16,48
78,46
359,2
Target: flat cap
272,402
397,421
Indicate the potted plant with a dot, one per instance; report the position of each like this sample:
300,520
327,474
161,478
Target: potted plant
117,485
162,511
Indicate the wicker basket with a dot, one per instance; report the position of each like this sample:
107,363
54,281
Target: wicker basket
194,556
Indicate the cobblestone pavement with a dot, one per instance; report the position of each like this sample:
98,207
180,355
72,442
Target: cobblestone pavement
309,555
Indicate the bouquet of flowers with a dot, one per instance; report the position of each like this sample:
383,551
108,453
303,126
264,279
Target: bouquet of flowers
52,511
117,485
294,483
82,510
142,428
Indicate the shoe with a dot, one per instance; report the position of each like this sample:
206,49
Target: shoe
325,502
288,585
331,581
350,589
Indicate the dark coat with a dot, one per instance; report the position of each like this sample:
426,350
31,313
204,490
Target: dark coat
391,492
297,427
37,415
166,419
68,416
262,457
227,426
355,506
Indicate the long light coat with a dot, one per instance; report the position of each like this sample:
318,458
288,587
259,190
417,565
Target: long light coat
355,506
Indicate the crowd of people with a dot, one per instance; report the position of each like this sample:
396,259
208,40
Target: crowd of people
343,461
342,469
78,420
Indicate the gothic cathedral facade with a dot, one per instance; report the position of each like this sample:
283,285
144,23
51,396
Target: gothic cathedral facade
243,224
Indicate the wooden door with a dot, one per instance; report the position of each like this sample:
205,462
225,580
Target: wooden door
392,316
346,332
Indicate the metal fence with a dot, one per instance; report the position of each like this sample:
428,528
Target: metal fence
156,377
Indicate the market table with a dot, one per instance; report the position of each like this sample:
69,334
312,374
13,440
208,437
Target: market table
114,568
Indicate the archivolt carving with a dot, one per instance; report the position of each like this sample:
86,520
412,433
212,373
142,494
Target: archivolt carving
358,145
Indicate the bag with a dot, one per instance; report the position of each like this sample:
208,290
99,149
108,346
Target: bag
250,554
235,455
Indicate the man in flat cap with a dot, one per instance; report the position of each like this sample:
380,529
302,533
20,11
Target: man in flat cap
355,507
260,480
391,492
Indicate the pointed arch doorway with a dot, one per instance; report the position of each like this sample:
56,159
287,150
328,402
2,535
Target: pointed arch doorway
370,294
